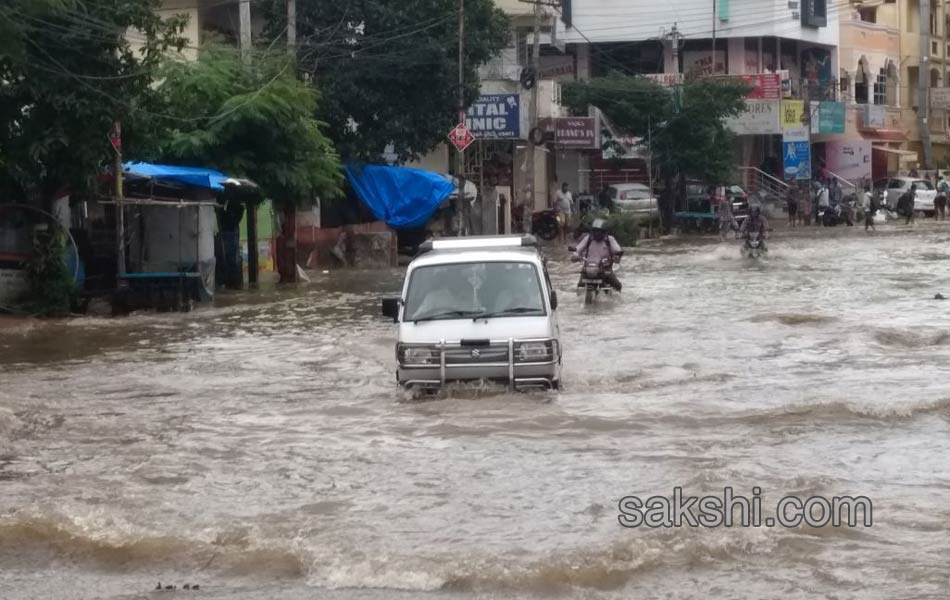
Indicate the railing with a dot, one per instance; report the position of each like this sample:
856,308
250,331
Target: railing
757,180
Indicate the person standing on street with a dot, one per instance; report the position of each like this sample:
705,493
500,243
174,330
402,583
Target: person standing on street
905,205
940,202
822,201
834,191
565,209
791,203
727,219
604,200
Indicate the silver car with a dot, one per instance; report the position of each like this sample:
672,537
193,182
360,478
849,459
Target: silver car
892,188
634,198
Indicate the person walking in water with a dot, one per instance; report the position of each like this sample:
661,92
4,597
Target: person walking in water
870,209
727,219
905,205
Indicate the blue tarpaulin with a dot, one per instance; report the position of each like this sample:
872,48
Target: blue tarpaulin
400,196
199,177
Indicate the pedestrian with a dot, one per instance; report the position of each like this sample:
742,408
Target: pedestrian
822,201
940,202
871,203
834,191
727,219
905,205
791,203
565,209
604,201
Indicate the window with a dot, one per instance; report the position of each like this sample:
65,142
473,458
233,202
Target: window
868,15
814,13
895,184
463,290
880,88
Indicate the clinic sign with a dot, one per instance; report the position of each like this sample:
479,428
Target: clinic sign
495,117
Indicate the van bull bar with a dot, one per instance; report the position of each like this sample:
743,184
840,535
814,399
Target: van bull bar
528,363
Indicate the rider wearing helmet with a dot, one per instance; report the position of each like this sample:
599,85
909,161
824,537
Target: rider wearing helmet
599,246
755,223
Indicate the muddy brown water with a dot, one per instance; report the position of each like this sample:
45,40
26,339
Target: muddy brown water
261,449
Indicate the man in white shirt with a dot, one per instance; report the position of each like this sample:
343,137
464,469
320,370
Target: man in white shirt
565,209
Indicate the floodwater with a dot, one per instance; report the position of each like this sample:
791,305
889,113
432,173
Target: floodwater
261,449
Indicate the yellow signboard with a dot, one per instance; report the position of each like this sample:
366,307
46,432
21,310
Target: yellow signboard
792,114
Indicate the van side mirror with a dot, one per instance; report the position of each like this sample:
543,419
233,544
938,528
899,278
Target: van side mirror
391,308
553,300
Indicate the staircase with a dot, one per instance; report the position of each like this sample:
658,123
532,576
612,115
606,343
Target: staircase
767,187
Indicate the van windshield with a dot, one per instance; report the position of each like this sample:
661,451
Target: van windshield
470,290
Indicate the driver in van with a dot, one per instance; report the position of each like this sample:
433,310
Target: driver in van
598,246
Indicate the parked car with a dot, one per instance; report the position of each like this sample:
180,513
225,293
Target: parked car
477,308
892,188
634,198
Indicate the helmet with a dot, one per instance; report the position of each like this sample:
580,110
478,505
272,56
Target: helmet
598,229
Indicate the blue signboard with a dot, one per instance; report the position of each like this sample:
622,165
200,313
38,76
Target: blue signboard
797,162
495,117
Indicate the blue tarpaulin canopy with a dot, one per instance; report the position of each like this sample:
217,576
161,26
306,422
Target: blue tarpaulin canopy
400,196
196,176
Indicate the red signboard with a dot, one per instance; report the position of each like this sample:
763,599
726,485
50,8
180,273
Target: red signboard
765,86
461,137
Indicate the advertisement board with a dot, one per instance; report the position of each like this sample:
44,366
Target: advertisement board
796,153
575,132
793,114
828,117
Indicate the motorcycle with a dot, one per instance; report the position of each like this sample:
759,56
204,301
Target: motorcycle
753,246
594,277
840,214
545,225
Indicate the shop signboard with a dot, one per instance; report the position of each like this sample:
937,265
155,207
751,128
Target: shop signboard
760,117
495,117
796,152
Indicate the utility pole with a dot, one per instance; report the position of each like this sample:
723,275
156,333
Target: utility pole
714,39
464,208
116,137
923,84
292,27
244,23
530,185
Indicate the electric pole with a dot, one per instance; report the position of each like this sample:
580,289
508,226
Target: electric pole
463,205
244,23
531,179
714,39
116,137
923,84
292,27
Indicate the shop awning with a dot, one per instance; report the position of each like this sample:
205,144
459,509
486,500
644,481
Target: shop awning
196,176
887,135
902,155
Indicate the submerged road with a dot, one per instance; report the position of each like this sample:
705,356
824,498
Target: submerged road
261,449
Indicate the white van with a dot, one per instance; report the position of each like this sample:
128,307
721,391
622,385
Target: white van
477,308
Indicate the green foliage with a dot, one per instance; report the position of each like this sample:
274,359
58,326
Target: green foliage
388,69
624,227
52,291
253,120
67,71
689,136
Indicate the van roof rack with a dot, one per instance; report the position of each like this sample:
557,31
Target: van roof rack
475,242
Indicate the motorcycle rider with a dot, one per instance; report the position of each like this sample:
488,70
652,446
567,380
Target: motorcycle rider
598,246
756,223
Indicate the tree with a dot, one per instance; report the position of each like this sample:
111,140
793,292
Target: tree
254,120
388,69
685,123
67,70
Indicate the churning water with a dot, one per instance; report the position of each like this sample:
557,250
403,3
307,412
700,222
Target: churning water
261,449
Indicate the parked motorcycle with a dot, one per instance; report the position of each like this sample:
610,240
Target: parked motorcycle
545,225
840,214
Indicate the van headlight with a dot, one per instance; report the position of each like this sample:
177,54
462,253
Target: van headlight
530,352
417,355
